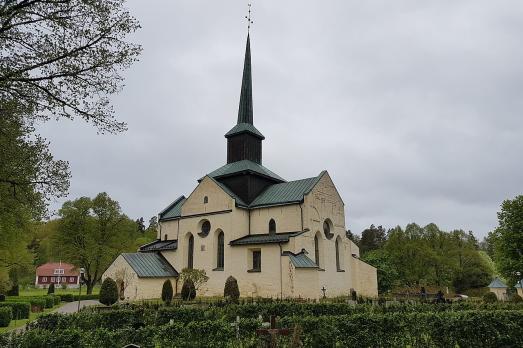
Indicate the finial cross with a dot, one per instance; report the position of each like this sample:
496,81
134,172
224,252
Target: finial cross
248,18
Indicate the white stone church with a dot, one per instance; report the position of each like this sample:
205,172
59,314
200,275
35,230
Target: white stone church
278,238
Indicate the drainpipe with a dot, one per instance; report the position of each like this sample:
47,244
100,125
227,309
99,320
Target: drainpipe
249,221
178,232
301,210
281,273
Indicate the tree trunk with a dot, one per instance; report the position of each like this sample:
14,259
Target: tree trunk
90,286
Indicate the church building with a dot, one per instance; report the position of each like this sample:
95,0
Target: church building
278,238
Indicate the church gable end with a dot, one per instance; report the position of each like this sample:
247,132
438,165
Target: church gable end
207,197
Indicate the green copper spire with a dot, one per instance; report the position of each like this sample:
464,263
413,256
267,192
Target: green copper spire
245,109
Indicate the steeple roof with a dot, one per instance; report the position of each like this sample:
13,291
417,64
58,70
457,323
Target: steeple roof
245,113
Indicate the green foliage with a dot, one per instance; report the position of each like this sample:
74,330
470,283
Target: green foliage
490,297
20,310
372,238
14,291
57,299
92,232
188,290
231,290
72,297
39,302
50,290
5,316
197,276
507,239
2,297
516,298
167,291
387,275
108,292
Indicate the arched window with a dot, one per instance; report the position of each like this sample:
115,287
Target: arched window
205,200
337,245
317,250
190,252
272,226
165,237
220,256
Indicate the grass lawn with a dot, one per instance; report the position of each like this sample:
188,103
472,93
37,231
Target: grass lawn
57,291
32,316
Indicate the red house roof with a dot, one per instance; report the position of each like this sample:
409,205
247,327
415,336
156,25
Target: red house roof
52,269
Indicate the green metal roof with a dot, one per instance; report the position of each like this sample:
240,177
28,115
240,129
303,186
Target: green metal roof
158,245
150,265
285,193
244,166
245,108
244,128
174,210
265,238
497,283
300,260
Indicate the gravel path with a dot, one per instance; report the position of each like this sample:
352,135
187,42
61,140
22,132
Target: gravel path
72,307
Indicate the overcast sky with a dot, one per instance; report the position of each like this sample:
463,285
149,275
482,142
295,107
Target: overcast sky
414,107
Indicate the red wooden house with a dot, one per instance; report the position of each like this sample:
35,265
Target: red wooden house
57,273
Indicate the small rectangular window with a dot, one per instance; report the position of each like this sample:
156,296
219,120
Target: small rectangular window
44,279
53,279
71,280
256,260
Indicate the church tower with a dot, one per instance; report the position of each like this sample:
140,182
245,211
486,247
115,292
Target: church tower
244,141
244,173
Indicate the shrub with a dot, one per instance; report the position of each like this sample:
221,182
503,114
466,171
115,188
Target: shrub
188,290
516,298
15,291
67,297
37,304
50,290
167,291
231,291
2,297
49,301
20,310
490,297
108,292
57,299
5,316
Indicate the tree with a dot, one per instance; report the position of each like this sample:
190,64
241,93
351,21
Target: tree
167,291
108,292
372,238
387,274
92,233
63,58
50,290
508,239
352,237
231,291
197,276
123,277
141,225
188,290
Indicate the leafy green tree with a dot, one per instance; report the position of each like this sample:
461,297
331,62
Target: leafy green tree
108,292
507,239
231,291
188,290
387,275
64,58
372,238
92,233
197,276
50,290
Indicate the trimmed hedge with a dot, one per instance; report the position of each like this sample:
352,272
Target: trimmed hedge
109,292
5,316
72,297
20,310
49,301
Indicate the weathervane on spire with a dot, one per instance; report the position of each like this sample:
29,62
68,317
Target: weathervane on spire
248,18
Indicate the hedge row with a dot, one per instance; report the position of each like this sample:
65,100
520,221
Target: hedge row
438,329
5,316
71,297
20,310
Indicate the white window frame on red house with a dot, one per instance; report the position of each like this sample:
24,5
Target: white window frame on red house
44,279
71,280
58,271
53,279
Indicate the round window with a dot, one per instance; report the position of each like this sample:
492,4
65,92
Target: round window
327,229
205,229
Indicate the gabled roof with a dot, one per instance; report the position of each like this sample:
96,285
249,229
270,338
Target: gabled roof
244,128
173,210
265,238
300,260
158,245
497,283
285,193
47,269
244,166
150,265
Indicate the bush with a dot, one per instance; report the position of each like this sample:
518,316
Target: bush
49,301
516,298
2,297
57,299
15,291
38,302
231,291
188,290
167,291
5,316
108,292
20,310
50,290
67,297
490,297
